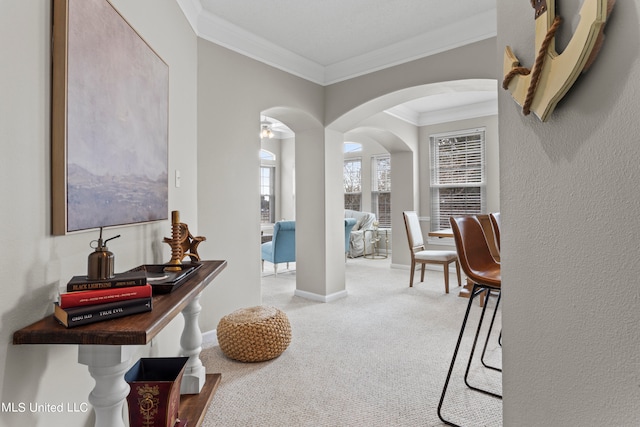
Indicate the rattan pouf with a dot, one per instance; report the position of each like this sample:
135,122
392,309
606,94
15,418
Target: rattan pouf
254,334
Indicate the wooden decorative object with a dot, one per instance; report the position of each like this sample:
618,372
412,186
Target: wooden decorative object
540,89
182,242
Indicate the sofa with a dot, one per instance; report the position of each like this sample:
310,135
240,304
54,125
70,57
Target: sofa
349,223
364,221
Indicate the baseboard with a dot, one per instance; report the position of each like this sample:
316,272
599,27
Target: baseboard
320,298
210,338
401,266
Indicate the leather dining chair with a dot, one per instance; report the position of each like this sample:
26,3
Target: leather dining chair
481,268
495,223
419,255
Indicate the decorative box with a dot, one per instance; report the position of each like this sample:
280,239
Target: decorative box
154,398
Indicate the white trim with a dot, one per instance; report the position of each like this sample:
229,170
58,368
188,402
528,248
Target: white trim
401,266
320,298
457,34
219,31
210,338
191,10
462,112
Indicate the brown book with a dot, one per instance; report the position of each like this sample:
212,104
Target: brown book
120,280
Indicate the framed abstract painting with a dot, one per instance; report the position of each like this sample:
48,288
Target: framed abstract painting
109,121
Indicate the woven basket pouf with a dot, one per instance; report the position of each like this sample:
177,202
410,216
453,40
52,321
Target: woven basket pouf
254,334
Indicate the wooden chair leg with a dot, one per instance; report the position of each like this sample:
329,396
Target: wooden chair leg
413,269
446,277
458,273
422,273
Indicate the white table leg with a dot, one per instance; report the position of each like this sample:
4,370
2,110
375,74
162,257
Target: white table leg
191,343
107,365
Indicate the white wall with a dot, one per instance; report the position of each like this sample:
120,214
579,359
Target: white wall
34,263
233,91
569,240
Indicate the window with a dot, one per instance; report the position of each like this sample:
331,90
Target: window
457,176
267,187
352,147
353,184
381,189
267,194
267,155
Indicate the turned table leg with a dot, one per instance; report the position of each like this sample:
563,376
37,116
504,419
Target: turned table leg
191,343
107,365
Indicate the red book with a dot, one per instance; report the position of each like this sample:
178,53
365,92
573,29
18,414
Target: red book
101,296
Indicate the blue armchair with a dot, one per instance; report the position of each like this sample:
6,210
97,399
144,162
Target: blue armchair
282,247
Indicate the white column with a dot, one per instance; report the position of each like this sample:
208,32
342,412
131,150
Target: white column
107,365
320,263
191,343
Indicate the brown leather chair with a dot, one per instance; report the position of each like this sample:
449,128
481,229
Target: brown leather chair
419,255
495,222
482,269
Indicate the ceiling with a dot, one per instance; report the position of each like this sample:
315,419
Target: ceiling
327,41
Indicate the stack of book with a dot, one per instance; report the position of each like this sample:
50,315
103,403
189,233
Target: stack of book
89,301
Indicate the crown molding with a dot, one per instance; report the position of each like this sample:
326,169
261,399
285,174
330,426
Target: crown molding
219,31
457,34
191,9
464,112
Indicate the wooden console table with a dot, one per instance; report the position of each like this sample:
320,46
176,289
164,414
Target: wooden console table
108,347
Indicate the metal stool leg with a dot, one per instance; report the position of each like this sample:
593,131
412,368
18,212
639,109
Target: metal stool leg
476,290
473,349
484,350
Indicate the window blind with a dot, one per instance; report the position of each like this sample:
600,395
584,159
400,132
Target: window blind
457,176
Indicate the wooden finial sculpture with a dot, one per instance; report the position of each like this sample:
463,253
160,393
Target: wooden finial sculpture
182,243
540,88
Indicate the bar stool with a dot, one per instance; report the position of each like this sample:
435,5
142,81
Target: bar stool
482,269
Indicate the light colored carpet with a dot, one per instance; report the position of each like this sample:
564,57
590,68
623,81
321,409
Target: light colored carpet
378,357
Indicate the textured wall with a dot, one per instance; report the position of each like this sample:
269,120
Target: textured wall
570,230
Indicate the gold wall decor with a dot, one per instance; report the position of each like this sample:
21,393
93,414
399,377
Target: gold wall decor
540,88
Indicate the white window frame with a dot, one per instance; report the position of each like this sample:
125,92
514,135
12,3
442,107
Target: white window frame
473,176
353,160
268,160
375,191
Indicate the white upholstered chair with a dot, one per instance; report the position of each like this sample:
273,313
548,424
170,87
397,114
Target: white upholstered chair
419,255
